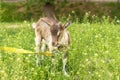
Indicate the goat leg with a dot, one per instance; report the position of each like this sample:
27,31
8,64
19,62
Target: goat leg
37,49
64,60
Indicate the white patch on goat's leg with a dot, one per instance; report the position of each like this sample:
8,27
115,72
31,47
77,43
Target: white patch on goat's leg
64,66
37,60
50,47
53,61
53,65
37,49
43,50
43,47
49,44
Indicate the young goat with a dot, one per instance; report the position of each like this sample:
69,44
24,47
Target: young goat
53,34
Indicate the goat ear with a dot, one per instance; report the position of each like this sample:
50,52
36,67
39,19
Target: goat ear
34,25
67,24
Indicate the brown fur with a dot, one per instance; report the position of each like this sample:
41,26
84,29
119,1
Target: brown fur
53,34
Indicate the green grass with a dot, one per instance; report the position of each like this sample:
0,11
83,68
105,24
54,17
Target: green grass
33,10
94,53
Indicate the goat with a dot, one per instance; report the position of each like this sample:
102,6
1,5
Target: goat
53,34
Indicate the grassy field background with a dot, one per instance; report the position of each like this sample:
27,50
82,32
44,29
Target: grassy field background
33,10
94,53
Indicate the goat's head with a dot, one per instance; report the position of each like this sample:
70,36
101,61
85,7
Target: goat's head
58,31
62,28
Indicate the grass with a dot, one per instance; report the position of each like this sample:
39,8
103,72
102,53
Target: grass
33,10
94,53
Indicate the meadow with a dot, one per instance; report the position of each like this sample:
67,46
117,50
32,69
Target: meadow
94,53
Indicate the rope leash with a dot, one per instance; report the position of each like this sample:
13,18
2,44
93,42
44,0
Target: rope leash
22,51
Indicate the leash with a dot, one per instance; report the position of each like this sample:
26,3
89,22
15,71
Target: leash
22,51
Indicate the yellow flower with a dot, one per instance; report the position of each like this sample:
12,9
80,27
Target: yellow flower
73,12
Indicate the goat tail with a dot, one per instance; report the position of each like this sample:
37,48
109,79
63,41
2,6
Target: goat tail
34,25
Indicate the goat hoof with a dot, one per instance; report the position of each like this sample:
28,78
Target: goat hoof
38,63
66,74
